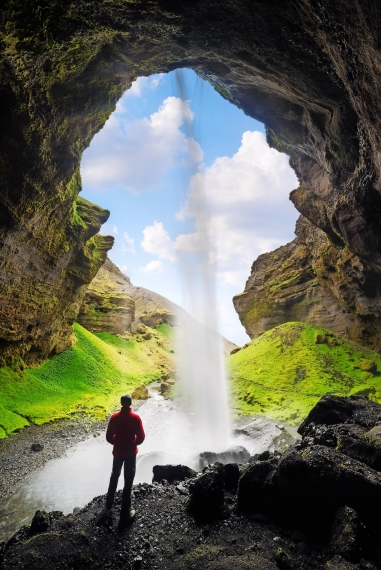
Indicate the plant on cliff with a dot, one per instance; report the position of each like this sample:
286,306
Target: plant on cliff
284,372
87,378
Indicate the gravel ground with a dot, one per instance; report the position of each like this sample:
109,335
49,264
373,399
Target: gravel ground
163,536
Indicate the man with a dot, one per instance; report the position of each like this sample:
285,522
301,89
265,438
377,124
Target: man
125,432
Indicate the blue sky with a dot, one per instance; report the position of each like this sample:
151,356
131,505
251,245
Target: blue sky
147,169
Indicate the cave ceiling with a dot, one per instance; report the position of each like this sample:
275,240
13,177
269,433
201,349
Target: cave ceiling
308,69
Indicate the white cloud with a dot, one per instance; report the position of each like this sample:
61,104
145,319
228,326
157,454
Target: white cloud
109,229
142,83
153,267
137,155
241,209
128,244
156,240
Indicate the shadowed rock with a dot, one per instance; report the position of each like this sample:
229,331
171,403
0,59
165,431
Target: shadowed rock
347,535
172,473
207,494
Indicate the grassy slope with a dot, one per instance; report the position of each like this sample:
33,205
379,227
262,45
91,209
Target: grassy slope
283,373
89,377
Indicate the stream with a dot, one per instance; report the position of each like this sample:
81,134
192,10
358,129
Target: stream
83,473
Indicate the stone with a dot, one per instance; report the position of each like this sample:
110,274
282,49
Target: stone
140,393
172,473
331,410
373,436
304,489
37,447
40,523
347,534
206,499
231,476
368,365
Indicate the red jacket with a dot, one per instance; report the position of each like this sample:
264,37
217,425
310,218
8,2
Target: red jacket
125,431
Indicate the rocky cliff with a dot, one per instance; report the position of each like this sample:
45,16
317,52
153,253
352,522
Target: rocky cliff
310,70
313,281
114,305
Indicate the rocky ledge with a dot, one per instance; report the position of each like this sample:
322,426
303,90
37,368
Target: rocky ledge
315,506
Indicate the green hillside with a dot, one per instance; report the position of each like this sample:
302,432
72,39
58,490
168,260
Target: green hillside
89,378
284,372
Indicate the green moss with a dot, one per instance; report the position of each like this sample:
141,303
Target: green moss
284,372
89,378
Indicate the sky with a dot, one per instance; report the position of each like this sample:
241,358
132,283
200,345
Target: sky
155,162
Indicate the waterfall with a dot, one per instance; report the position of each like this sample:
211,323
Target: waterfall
202,385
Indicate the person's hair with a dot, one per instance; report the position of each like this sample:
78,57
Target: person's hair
126,400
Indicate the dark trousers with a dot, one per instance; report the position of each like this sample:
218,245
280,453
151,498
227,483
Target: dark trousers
129,474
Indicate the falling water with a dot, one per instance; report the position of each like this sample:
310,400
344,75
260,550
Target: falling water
202,384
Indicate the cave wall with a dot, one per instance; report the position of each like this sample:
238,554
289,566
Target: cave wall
308,69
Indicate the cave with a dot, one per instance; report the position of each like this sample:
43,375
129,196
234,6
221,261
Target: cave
307,69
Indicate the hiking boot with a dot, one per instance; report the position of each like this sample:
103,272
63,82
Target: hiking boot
125,522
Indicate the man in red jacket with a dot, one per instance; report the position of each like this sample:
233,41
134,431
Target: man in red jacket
125,432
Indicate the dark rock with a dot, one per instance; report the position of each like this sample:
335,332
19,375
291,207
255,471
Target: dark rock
263,456
172,473
37,447
235,454
207,495
305,488
329,410
336,410
361,450
231,476
40,522
347,535
284,560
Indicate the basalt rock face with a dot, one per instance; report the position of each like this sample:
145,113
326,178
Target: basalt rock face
309,70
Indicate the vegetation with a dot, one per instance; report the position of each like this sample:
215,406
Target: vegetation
285,371
87,378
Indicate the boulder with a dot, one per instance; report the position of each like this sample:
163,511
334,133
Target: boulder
360,449
37,447
368,365
231,476
305,488
332,410
235,454
140,393
172,473
40,523
206,500
347,534
373,436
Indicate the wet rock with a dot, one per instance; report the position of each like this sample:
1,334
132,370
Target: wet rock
207,495
235,454
40,523
172,473
347,535
140,393
37,447
339,563
231,476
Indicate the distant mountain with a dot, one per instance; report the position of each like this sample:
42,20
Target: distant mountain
113,304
